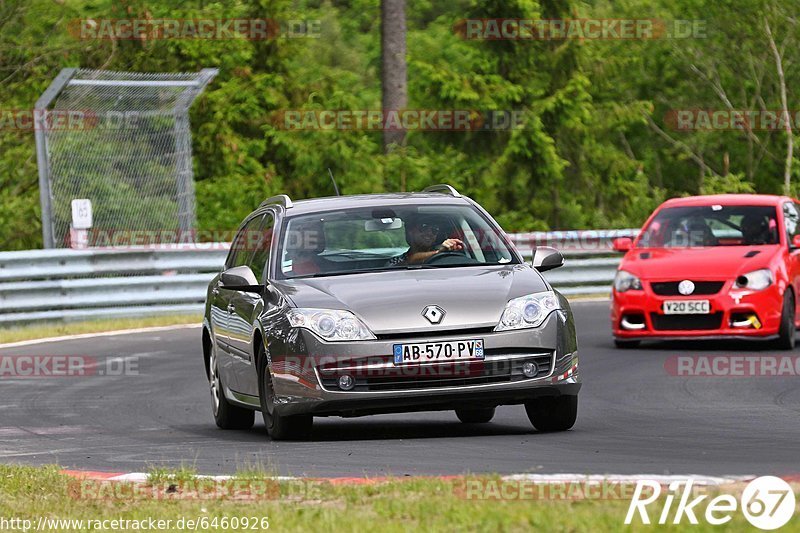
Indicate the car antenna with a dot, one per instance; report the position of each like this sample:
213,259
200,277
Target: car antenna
335,187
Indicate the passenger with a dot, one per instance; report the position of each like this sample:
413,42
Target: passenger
306,240
755,230
693,232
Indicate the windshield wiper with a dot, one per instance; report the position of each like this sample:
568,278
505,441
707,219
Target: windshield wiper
346,272
419,266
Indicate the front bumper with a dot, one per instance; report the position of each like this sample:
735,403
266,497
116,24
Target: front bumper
307,383
639,314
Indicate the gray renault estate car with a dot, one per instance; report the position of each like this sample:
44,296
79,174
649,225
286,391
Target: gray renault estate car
385,303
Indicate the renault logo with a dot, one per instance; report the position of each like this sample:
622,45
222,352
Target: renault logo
686,287
433,313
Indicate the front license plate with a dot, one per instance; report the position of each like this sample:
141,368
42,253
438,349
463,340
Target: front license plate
431,352
687,307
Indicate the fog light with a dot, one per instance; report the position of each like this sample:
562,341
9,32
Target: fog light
529,369
745,320
346,382
634,322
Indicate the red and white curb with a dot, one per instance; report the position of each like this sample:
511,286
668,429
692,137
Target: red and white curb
711,481
620,479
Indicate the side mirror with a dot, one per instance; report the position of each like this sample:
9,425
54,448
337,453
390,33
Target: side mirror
622,244
240,278
546,258
796,241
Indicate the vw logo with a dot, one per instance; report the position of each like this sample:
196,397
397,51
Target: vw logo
686,287
433,313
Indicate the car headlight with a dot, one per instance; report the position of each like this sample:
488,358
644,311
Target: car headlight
755,280
625,281
528,311
331,324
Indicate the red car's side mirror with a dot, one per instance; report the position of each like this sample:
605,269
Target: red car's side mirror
623,244
796,241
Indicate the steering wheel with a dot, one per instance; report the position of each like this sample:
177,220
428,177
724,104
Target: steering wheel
437,258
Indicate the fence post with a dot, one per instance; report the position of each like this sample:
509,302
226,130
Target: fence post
42,156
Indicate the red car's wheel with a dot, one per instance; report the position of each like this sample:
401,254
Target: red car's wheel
787,332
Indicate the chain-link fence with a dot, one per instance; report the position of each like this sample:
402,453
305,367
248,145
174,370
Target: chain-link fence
121,140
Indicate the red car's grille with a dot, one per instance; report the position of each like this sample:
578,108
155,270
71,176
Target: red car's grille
685,322
670,288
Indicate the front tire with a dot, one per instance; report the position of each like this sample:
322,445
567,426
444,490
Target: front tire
279,427
787,331
479,415
226,415
556,413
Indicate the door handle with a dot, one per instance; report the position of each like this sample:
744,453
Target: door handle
231,308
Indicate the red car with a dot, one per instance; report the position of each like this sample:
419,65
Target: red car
725,266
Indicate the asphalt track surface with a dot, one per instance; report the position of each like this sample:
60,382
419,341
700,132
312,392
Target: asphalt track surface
634,418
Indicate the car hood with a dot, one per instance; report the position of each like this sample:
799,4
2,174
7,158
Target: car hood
712,263
393,301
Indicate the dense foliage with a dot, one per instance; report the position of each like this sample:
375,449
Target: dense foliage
597,150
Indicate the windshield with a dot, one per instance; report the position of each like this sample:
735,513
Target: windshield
389,238
713,225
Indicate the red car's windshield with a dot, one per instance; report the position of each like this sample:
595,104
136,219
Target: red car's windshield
711,225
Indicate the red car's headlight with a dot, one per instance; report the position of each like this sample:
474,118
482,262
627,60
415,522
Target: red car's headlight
625,281
756,280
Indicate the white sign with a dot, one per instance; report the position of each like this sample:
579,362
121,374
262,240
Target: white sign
82,214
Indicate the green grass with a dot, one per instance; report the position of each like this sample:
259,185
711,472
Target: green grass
57,329
399,505
160,474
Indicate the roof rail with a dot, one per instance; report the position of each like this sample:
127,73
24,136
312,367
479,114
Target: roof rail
443,187
281,199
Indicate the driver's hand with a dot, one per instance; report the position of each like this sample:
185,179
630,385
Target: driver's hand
451,244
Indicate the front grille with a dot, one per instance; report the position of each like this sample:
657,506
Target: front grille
686,322
464,332
670,288
397,378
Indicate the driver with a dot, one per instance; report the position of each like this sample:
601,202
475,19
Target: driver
422,235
